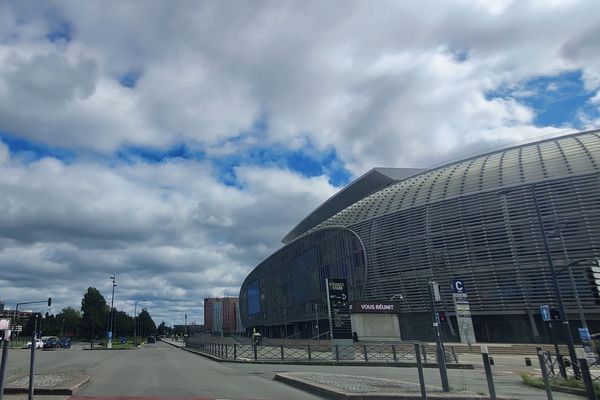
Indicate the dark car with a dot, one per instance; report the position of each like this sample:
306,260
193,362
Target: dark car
65,343
151,339
52,343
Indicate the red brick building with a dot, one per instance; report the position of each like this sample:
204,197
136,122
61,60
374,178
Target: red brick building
221,315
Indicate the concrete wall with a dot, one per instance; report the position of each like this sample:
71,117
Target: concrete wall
382,327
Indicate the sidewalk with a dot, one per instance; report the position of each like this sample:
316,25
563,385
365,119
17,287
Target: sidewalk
172,342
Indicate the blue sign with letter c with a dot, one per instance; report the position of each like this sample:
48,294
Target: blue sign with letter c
458,286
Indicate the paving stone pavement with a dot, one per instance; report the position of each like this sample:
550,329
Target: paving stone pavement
362,384
46,381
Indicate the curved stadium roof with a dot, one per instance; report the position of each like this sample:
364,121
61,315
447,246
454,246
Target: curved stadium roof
529,163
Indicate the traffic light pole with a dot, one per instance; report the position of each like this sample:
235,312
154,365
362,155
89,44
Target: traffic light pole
441,356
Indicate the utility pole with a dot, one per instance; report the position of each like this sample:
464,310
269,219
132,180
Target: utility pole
135,318
110,328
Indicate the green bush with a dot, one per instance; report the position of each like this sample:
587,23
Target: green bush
557,383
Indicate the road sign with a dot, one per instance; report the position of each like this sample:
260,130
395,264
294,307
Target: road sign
545,311
17,328
458,285
339,308
4,324
436,291
584,333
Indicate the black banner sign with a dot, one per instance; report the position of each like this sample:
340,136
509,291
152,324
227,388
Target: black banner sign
374,307
339,309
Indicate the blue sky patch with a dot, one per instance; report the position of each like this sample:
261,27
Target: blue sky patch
130,79
29,151
62,33
307,161
556,100
150,155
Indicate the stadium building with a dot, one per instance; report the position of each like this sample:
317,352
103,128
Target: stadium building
391,230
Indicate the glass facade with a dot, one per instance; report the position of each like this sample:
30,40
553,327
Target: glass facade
287,286
474,219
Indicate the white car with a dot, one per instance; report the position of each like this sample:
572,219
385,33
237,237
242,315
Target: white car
39,344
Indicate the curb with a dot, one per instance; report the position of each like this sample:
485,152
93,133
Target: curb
172,344
107,349
327,363
331,393
57,391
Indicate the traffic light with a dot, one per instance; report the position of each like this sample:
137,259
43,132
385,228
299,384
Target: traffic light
49,301
443,317
594,278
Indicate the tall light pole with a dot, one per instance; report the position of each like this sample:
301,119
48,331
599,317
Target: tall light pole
559,300
135,303
110,327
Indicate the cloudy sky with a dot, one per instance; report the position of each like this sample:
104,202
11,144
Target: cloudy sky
176,143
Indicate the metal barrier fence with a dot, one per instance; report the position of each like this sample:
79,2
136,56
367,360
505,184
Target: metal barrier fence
386,353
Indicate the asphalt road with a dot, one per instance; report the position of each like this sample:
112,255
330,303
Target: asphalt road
155,370
162,370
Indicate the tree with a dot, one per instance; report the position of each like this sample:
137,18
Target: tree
163,329
146,324
95,311
69,320
123,324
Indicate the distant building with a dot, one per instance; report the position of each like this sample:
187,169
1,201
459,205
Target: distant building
222,315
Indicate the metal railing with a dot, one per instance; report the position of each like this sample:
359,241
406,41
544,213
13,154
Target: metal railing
314,352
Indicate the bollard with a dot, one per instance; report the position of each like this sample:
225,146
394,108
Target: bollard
235,351
365,352
527,362
281,352
585,374
5,341
420,369
32,360
542,360
424,354
488,371
394,353
255,353
309,354
337,353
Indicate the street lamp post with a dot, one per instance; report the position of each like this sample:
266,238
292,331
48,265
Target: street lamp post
135,303
110,326
559,299
553,274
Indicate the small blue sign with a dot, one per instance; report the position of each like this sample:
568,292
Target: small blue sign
584,333
123,340
109,334
458,286
545,311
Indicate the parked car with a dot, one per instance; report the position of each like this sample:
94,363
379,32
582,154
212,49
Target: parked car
65,343
151,339
52,342
39,344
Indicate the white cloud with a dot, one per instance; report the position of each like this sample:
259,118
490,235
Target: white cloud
398,84
4,153
158,227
